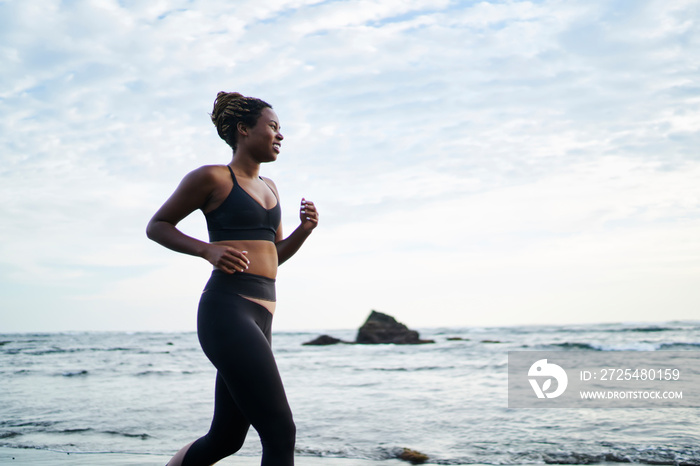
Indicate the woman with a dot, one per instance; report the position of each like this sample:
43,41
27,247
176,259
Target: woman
245,247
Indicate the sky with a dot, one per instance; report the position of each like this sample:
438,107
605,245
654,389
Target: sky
474,163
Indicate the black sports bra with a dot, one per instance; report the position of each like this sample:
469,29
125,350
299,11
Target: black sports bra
240,217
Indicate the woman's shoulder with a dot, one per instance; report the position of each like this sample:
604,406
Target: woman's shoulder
205,178
208,173
210,170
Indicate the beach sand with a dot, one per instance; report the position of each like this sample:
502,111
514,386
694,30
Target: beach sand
28,457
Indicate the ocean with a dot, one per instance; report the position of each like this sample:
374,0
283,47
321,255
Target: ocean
151,393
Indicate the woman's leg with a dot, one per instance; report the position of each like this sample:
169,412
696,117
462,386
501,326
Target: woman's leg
234,333
225,437
177,459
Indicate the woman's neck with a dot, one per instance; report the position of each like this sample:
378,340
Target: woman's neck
245,165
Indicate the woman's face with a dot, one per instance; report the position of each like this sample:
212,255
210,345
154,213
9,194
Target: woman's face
264,139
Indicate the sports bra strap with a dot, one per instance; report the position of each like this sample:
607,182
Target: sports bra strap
233,177
235,182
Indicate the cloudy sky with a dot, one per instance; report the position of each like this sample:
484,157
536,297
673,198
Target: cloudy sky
474,162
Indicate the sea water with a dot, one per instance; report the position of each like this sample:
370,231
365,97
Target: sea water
153,393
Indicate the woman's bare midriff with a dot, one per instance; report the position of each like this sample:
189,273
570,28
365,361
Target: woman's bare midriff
263,261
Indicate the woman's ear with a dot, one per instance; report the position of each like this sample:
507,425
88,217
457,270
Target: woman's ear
242,128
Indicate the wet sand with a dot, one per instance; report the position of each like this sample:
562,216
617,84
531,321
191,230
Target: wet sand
28,457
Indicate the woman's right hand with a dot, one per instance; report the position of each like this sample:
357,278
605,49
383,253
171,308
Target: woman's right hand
226,258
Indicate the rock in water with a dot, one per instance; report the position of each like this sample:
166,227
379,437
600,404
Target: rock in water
323,340
412,456
382,328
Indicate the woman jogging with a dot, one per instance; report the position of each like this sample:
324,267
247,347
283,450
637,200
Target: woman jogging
246,245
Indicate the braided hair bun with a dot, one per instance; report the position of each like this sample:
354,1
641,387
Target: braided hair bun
231,108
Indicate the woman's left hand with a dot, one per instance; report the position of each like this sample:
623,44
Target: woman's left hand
308,215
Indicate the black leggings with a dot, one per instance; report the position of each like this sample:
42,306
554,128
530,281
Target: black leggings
235,334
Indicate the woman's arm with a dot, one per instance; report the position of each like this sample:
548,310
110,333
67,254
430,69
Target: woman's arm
193,193
287,247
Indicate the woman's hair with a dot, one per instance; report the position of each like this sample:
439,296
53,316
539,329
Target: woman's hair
231,108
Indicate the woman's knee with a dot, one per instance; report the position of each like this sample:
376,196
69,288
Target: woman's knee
290,431
281,435
221,445
233,443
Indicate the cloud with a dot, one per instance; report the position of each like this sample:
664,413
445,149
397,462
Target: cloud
510,137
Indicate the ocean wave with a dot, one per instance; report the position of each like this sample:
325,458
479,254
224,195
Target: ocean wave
679,346
332,453
42,348
27,424
141,436
577,346
56,350
75,373
111,433
71,431
9,438
163,373
640,327
628,346
409,369
646,329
